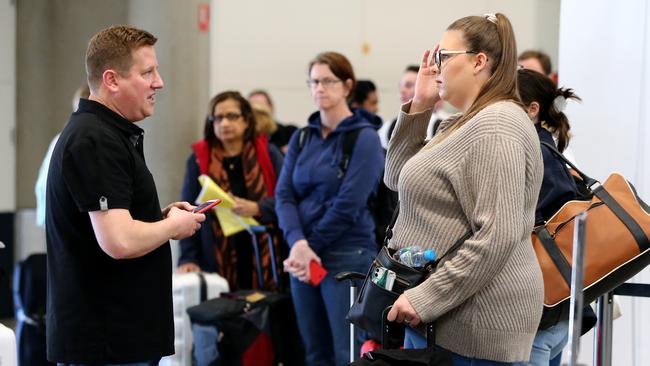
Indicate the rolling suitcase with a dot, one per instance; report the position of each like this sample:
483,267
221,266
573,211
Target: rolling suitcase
190,289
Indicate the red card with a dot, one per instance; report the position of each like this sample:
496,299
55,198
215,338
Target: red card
316,273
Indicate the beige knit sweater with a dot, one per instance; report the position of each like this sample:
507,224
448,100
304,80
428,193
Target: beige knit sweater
487,297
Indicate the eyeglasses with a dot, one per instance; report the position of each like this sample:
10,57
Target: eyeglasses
443,55
220,117
326,83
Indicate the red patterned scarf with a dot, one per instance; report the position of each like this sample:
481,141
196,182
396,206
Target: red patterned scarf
260,179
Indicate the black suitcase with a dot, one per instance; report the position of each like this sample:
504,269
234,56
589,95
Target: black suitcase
29,292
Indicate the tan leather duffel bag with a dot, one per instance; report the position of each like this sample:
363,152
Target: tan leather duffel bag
616,239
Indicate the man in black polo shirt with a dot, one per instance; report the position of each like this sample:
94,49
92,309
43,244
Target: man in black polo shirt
109,260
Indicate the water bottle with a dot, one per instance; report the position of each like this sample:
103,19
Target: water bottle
398,254
417,259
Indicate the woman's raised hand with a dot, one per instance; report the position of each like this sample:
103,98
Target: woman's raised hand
426,87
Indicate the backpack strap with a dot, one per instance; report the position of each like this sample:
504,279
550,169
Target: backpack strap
349,139
304,134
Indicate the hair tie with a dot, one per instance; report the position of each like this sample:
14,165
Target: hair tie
559,103
491,17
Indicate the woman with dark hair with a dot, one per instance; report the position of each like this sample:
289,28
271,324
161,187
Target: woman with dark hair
322,207
246,166
478,178
544,104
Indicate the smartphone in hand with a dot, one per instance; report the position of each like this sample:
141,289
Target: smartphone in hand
316,273
205,206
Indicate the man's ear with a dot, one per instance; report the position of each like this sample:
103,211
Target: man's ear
481,62
109,80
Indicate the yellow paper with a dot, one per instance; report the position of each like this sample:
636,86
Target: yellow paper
230,222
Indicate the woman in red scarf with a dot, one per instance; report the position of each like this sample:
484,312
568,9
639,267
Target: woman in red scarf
246,166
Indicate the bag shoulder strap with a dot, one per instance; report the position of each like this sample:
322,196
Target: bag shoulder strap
589,182
432,266
389,228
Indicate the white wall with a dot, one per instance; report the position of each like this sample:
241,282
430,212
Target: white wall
604,55
7,106
269,44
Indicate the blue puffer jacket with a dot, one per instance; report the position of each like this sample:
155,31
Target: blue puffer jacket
313,202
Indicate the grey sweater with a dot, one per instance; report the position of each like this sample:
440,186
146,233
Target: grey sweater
485,177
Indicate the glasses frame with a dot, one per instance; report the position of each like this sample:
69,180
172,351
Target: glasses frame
326,83
437,59
219,118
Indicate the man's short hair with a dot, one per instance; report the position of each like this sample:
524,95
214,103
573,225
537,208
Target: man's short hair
412,68
543,59
112,48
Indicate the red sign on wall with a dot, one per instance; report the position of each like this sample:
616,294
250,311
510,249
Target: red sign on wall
204,17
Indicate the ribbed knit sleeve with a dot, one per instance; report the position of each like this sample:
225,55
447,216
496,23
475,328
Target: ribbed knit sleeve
408,138
494,171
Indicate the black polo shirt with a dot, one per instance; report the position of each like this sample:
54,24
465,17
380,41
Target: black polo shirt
101,310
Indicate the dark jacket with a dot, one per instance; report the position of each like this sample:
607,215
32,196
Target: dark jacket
199,248
558,185
314,202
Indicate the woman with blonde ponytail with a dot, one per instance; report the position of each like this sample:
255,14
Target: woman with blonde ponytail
479,178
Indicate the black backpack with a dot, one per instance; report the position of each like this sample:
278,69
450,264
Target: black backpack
382,202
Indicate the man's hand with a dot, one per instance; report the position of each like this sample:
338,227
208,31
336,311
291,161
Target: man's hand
181,205
298,262
188,267
185,222
244,207
403,312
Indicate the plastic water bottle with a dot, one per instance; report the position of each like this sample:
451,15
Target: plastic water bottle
417,259
398,254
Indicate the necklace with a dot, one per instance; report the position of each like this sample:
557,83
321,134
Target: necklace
231,161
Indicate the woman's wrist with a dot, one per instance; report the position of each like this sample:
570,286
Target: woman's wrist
422,104
301,242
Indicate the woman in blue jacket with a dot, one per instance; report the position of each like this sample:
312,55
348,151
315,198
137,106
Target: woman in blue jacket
322,207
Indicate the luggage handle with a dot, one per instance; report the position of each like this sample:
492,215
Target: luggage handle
253,230
342,276
388,327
